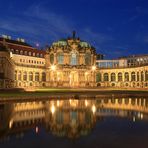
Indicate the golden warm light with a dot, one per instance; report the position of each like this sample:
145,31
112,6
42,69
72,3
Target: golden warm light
93,67
53,67
52,109
10,124
86,103
58,103
93,109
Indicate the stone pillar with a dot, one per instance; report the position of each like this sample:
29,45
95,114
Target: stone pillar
55,59
33,76
130,77
92,62
143,76
136,76
116,76
123,77
16,75
102,78
22,75
40,76
139,76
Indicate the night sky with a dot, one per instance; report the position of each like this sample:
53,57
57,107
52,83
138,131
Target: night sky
114,27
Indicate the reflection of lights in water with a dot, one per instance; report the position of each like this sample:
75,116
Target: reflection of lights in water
141,116
134,119
10,123
70,101
36,129
58,103
93,109
73,103
52,109
86,103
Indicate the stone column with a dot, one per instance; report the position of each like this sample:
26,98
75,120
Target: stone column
55,59
123,77
143,76
109,77
129,76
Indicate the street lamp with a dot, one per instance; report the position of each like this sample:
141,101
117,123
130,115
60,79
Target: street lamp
53,67
93,68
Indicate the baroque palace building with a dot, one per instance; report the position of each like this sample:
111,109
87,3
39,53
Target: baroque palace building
68,62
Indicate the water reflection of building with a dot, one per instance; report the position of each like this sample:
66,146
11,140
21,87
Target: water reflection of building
70,118
5,116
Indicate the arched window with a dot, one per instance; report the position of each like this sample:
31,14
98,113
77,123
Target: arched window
113,77
106,77
52,58
98,77
146,76
133,76
19,75
60,58
137,76
29,53
87,58
74,58
25,76
34,54
142,76
36,76
21,52
126,76
119,76
25,52
43,76
30,76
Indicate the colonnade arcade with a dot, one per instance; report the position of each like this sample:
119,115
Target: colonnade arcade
122,78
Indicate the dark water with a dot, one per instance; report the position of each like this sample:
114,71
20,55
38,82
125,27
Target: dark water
98,123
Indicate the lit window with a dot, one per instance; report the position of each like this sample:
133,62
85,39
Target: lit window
60,58
87,58
73,58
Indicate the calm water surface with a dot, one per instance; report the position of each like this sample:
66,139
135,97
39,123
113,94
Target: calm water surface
86,123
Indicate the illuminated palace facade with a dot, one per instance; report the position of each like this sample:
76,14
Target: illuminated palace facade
68,62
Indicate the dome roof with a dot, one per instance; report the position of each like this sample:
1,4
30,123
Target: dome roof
71,40
63,42
84,44
60,43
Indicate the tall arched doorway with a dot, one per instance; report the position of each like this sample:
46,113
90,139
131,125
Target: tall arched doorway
74,77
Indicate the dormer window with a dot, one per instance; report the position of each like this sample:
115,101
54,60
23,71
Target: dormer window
25,52
29,53
37,54
34,54
21,52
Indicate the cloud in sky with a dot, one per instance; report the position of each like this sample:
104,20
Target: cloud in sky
39,22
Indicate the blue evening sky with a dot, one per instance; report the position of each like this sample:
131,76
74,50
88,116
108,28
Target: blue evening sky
114,27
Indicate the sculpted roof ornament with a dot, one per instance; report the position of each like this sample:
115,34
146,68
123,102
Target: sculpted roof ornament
71,43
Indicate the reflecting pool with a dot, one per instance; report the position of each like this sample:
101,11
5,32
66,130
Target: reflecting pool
82,123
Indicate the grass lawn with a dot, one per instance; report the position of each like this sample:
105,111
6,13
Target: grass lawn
67,91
